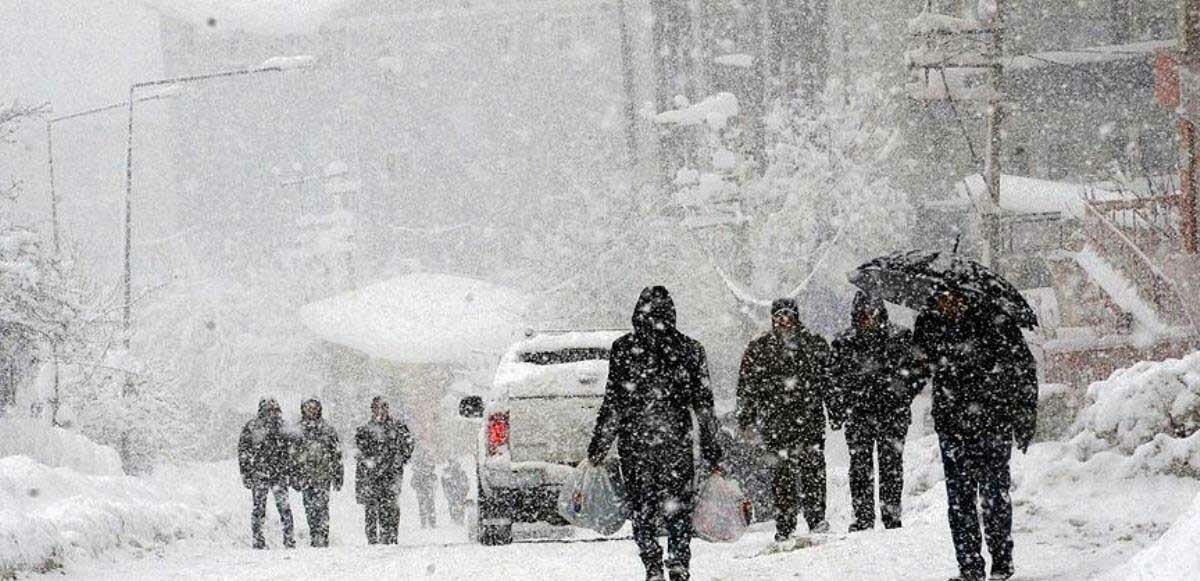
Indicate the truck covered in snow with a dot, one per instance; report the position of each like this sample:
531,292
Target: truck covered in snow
537,422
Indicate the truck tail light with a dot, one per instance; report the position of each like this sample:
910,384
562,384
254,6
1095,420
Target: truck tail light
497,432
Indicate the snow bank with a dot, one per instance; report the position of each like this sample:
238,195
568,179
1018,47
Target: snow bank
1173,556
50,516
56,447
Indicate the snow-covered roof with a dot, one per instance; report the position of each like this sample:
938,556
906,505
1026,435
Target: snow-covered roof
1024,195
1088,55
421,318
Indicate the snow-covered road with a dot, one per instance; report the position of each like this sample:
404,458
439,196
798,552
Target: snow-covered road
920,552
1071,524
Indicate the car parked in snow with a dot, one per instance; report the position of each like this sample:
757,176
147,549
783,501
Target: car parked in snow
537,422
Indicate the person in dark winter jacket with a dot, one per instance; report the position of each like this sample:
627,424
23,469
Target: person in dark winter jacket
265,461
454,486
782,393
318,468
424,483
875,382
384,445
657,380
984,398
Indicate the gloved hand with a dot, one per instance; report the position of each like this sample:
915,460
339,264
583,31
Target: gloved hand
1023,443
247,482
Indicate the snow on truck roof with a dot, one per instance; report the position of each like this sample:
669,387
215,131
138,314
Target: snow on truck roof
421,318
558,341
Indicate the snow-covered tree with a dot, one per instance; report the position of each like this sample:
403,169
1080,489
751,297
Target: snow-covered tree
823,203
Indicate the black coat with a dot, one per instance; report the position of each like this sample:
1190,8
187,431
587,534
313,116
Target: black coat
383,449
657,378
876,373
984,377
318,456
784,387
265,453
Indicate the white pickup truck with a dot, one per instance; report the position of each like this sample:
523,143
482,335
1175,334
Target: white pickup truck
537,422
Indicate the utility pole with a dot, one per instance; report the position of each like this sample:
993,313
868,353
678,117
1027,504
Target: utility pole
1189,52
995,104
627,82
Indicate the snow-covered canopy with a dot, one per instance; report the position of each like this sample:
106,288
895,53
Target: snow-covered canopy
421,318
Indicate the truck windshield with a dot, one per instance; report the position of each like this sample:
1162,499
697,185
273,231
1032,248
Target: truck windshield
569,355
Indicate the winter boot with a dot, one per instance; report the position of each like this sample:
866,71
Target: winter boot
679,573
1001,572
861,526
655,575
820,528
968,577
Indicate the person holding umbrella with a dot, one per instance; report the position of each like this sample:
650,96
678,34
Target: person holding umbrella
984,398
968,343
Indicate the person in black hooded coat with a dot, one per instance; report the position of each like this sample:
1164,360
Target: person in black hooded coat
783,392
875,382
318,468
384,446
265,461
984,398
657,378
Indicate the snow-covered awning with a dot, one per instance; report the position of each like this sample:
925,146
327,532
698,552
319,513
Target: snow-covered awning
421,318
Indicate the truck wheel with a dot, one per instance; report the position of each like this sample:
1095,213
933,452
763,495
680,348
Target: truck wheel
491,535
495,535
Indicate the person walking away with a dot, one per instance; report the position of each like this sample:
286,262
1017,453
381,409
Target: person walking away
875,383
424,482
318,468
782,393
264,459
454,487
657,380
984,398
384,446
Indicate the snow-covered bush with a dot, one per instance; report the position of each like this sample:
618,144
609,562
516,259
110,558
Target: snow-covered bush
1150,412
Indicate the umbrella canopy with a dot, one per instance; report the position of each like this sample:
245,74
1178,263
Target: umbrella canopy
421,318
912,278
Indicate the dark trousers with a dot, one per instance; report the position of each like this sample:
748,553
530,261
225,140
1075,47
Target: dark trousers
804,465
977,472
382,515
258,513
661,493
316,512
865,443
425,505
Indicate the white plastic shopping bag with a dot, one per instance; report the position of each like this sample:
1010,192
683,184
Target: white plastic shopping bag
590,499
722,512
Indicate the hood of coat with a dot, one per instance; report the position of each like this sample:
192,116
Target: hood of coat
655,311
867,307
313,403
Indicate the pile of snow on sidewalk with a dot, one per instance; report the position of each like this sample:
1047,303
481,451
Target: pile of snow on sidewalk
73,503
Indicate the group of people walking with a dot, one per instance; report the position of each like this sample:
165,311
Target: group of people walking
791,383
273,459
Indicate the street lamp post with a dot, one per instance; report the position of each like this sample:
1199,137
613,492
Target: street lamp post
272,65
50,123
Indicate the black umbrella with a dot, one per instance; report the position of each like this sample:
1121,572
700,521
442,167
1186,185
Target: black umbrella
912,278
